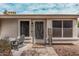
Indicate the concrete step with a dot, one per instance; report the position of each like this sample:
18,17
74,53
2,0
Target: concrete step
28,41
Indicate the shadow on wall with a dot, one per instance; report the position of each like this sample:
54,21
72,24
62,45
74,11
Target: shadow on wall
78,28
78,31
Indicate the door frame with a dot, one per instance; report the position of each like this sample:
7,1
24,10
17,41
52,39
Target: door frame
38,40
29,27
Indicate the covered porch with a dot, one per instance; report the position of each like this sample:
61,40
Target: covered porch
36,27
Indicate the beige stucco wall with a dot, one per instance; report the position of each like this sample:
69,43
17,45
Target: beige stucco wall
9,27
0,27
75,32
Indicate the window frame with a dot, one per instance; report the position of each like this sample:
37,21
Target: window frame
68,28
29,27
63,28
57,28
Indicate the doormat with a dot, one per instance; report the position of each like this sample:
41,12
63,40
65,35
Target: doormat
38,46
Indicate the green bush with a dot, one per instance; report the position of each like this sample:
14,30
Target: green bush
4,44
78,24
5,47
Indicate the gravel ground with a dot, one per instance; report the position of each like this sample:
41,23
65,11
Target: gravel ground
67,50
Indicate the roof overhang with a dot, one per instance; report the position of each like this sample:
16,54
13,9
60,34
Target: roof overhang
39,16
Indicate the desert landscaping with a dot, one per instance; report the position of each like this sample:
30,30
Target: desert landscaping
54,50
30,49
67,50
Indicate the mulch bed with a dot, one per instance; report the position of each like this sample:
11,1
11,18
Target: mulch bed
67,50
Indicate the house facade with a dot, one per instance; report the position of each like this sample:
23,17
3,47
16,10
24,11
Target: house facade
39,28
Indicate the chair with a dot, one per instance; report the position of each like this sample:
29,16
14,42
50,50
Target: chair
21,39
14,44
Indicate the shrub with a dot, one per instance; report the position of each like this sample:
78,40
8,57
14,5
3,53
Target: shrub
5,47
78,24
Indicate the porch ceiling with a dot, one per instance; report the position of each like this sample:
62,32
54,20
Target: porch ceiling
39,16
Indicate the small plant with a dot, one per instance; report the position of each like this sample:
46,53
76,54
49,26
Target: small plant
78,24
5,47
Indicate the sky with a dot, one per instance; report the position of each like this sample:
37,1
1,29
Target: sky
41,8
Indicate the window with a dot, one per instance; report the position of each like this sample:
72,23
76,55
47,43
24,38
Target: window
62,28
24,28
67,28
57,28
57,24
67,24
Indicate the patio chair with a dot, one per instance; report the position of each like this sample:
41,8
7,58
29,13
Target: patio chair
14,44
21,39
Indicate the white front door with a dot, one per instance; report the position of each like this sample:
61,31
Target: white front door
39,31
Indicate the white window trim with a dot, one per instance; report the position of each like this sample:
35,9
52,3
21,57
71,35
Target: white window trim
62,28
29,37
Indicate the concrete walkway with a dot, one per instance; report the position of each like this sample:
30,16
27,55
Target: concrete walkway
51,51
41,51
44,51
20,50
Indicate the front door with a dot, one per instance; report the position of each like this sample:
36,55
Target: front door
39,31
24,28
